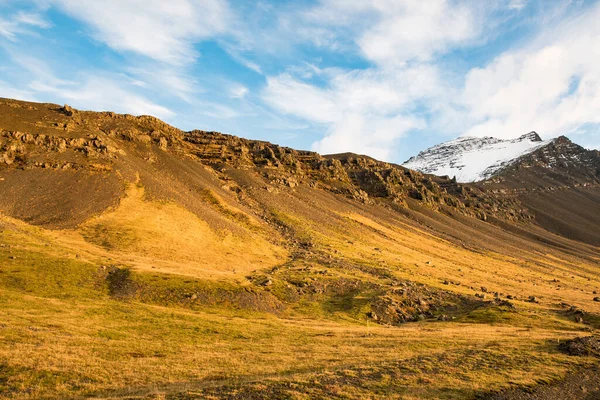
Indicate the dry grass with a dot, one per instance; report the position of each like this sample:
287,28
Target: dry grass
410,253
63,335
164,237
92,346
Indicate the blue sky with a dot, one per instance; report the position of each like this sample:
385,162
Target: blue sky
386,78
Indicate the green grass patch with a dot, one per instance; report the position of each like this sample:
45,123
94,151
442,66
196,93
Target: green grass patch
37,273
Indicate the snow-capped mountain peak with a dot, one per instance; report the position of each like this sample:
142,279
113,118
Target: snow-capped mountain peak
472,159
531,136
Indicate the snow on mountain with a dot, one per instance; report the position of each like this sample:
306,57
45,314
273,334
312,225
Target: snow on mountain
472,159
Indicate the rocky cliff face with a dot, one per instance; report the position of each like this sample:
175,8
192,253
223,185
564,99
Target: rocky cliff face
51,137
358,177
71,139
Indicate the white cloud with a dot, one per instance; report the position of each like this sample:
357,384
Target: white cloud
416,30
33,66
162,30
92,90
216,110
169,79
551,85
517,4
392,32
32,19
366,134
363,111
6,29
234,52
9,91
238,91
292,96
21,23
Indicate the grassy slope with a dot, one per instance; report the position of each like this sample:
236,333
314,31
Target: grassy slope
63,332
164,276
167,238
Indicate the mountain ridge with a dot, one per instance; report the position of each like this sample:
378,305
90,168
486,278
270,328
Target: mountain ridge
473,159
103,138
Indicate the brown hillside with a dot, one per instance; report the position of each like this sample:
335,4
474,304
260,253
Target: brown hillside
139,261
48,146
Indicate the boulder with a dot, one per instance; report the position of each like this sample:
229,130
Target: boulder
582,346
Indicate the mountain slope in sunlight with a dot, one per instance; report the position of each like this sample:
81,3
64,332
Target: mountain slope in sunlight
141,261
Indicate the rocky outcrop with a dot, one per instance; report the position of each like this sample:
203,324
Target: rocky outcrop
26,150
358,177
582,346
95,141
410,302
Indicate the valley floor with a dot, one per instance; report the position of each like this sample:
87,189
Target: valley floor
55,347
82,320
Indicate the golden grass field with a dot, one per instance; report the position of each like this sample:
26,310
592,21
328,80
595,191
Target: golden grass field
68,331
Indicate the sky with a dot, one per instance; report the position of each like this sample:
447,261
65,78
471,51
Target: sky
386,78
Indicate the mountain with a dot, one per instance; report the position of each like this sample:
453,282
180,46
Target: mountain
556,162
472,159
141,261
556,181
559,184
89,155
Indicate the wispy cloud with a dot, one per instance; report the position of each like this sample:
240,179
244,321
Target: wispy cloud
394,32
9,91
238,91
162,30
517,4
97,93
174,81
21,23
89,89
